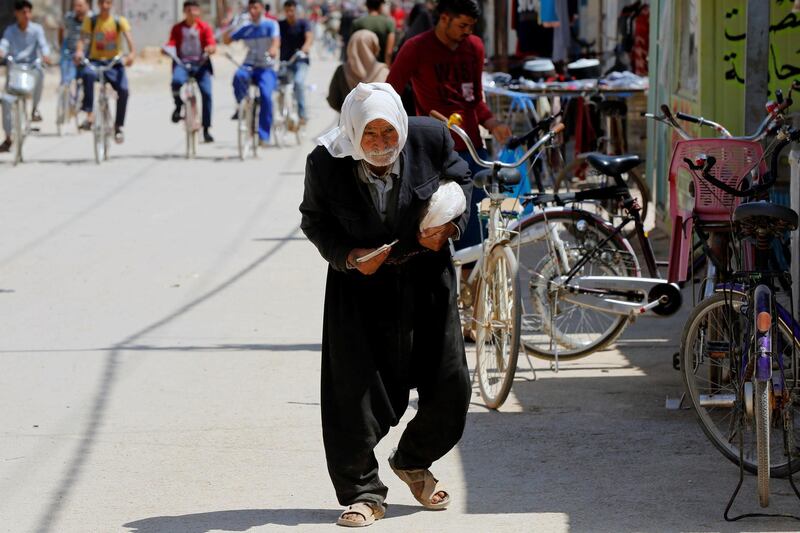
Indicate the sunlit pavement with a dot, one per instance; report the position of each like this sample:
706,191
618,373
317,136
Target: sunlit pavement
161,323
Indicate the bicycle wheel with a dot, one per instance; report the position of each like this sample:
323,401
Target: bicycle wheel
62,107
579,176
191,127
243,126
553,326
279,126
711,358
497,324
108,130
19,128
99,133
762,413
255,138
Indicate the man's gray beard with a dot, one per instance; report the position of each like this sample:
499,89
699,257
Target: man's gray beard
383,159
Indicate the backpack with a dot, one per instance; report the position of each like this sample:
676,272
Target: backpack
94,27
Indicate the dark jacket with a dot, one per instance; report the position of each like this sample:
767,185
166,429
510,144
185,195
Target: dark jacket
338,214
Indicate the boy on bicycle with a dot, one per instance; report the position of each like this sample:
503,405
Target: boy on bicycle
102,36
262,38
25,42
193,41
69,33
296,36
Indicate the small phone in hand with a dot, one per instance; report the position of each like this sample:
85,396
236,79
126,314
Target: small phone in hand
376,252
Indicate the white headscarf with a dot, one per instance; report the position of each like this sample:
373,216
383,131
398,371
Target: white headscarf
365,103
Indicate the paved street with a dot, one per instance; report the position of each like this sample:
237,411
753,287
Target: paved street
160,324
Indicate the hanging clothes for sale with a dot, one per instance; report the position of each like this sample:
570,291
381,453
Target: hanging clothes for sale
533,39
641,42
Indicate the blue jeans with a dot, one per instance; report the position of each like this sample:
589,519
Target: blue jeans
203,76
119,82
266,80
472,235
69,70
300,70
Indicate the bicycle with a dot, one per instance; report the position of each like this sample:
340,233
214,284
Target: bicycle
103,125
20,85
68,104
189,91
739,348
247,113
496,297
579,175
287,118
583,277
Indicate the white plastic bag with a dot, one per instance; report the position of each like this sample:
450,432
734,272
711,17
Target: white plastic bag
446,204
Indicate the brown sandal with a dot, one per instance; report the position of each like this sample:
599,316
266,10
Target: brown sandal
431,485
370,511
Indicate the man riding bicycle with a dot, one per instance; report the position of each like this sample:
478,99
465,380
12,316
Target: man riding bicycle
26,43
102,36
296,35
192,39
69,33
262,38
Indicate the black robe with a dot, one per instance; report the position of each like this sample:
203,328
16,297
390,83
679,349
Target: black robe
394,330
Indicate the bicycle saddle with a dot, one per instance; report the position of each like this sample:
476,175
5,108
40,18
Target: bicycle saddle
764,218
506,176
613,165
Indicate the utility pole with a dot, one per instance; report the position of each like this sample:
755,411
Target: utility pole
756,59
501,35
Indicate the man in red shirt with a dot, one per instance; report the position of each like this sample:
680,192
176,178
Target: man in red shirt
193,41
444,66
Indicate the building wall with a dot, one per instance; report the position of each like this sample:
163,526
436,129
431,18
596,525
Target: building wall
697,66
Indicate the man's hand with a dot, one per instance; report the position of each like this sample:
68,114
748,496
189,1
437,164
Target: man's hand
47,60
500,131
129,60
77,58
367,267
435,238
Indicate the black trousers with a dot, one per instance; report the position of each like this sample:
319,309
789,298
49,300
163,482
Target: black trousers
413,339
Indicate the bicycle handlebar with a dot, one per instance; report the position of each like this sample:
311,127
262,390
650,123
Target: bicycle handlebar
526,139
85,62
453,124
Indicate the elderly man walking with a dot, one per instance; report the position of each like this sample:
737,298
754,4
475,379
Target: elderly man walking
390,323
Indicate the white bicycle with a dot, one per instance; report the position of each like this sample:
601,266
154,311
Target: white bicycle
492,289
103,126
20,85
287,117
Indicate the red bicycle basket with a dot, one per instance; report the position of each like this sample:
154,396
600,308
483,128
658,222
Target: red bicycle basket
735,159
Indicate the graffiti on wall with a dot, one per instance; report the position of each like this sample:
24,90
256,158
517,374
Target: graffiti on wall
784,60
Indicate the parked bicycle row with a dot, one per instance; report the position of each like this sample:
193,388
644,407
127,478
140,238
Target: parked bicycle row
561,280
269,84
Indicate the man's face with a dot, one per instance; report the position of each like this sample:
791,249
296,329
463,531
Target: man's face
23,16
291,13
105,6
192,12
380,143
80,8
458,28
255,10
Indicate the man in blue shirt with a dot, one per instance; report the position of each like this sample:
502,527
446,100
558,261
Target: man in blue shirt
262,38
25,42
68,35
296,35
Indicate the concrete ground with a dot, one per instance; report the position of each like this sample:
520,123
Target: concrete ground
160,329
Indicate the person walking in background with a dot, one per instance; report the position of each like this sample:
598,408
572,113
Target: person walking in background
25,42
362,66
69,33
445,66
193,41
382,26
262,37
296,35
104,34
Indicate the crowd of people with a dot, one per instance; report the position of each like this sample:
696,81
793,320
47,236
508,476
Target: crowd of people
90,39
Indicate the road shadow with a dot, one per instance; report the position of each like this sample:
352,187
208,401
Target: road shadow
245,519
596,443
312,347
